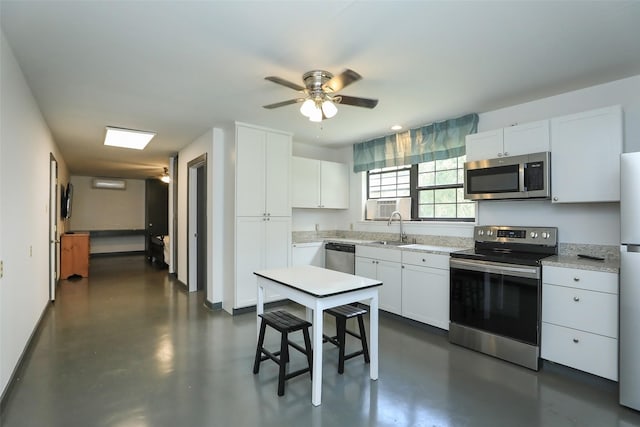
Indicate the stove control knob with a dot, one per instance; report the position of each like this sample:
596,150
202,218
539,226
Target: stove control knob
545,235
533,235
480,232
489,232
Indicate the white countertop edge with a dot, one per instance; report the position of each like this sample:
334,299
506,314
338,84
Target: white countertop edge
317,281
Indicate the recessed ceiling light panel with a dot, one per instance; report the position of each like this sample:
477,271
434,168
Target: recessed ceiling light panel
396,127
127,138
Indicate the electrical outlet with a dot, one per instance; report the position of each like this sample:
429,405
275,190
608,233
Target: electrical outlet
351,226
317,227
30,251
1,269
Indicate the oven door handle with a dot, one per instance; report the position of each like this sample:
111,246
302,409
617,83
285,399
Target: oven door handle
495,267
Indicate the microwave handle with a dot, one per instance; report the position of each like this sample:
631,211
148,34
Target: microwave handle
521,169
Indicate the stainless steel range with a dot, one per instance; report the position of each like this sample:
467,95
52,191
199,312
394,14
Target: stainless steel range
495,292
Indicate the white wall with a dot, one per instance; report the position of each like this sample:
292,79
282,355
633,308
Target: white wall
212,143
107,209
25,147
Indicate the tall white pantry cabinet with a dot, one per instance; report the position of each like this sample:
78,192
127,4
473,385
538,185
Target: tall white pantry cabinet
263,208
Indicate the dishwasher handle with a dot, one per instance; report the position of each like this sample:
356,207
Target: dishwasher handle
340,247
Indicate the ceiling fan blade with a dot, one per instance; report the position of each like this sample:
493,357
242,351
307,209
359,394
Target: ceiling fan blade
284,82
340,81
283,103
358,102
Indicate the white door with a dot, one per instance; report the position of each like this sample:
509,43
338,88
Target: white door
53,228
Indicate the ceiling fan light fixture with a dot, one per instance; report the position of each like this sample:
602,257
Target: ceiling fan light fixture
316,116
307,108
329,109
165,176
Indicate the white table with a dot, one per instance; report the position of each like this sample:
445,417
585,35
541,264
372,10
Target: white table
319,289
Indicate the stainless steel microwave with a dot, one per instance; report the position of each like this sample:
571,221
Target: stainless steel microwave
515,177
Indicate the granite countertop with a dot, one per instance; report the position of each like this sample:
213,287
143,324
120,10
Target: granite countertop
411,247
609,265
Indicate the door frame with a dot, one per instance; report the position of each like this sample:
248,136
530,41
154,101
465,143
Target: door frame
54,239
193,255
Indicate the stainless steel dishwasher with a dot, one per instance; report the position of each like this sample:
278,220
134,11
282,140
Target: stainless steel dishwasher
340,257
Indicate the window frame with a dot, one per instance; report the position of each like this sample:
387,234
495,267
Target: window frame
414,193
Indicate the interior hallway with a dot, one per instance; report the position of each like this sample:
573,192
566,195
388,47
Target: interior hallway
129,347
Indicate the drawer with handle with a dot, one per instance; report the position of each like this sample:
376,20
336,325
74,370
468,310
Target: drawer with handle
587,352
580,309
599,281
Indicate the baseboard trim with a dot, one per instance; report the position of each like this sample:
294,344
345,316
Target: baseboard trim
26,352
213,305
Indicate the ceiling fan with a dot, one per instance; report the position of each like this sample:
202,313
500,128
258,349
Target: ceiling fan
320,93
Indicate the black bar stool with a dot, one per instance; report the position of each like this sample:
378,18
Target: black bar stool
342,314
285,323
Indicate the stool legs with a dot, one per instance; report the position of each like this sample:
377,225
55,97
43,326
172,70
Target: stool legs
307,346
284,323
256,363
363,338
284,358
341,327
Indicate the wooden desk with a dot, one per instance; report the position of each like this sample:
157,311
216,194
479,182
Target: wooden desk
318,289
75,255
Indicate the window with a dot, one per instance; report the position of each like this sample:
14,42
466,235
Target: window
436,189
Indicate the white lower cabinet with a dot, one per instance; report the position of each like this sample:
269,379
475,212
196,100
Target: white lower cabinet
261,243
384,265
425,288
308,254
580,319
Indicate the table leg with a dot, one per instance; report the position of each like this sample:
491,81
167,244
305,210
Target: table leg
373,332
316,391
259,306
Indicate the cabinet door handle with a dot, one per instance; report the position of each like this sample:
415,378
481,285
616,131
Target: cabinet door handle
576,279
506,153
576,340
424,260
576,299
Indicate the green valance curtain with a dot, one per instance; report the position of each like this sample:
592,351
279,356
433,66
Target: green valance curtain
436,141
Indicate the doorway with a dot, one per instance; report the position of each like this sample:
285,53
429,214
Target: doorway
197,224
54,240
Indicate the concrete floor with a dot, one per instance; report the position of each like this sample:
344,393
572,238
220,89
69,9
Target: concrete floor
129,347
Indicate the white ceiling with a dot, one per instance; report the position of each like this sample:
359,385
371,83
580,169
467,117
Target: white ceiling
179,67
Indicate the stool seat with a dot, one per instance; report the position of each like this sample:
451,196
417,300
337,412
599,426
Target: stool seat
285,323
342,313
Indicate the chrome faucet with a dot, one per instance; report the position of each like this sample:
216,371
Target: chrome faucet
403,236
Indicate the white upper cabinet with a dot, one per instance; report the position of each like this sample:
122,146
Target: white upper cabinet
512,141
319,184
527,138
484,145
263,160
585,156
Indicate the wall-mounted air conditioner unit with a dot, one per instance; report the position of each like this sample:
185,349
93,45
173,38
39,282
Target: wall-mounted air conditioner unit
109,183
381,209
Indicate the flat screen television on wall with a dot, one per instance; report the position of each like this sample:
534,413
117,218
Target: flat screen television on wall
67,199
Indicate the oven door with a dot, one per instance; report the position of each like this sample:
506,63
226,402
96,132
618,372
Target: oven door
503,299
